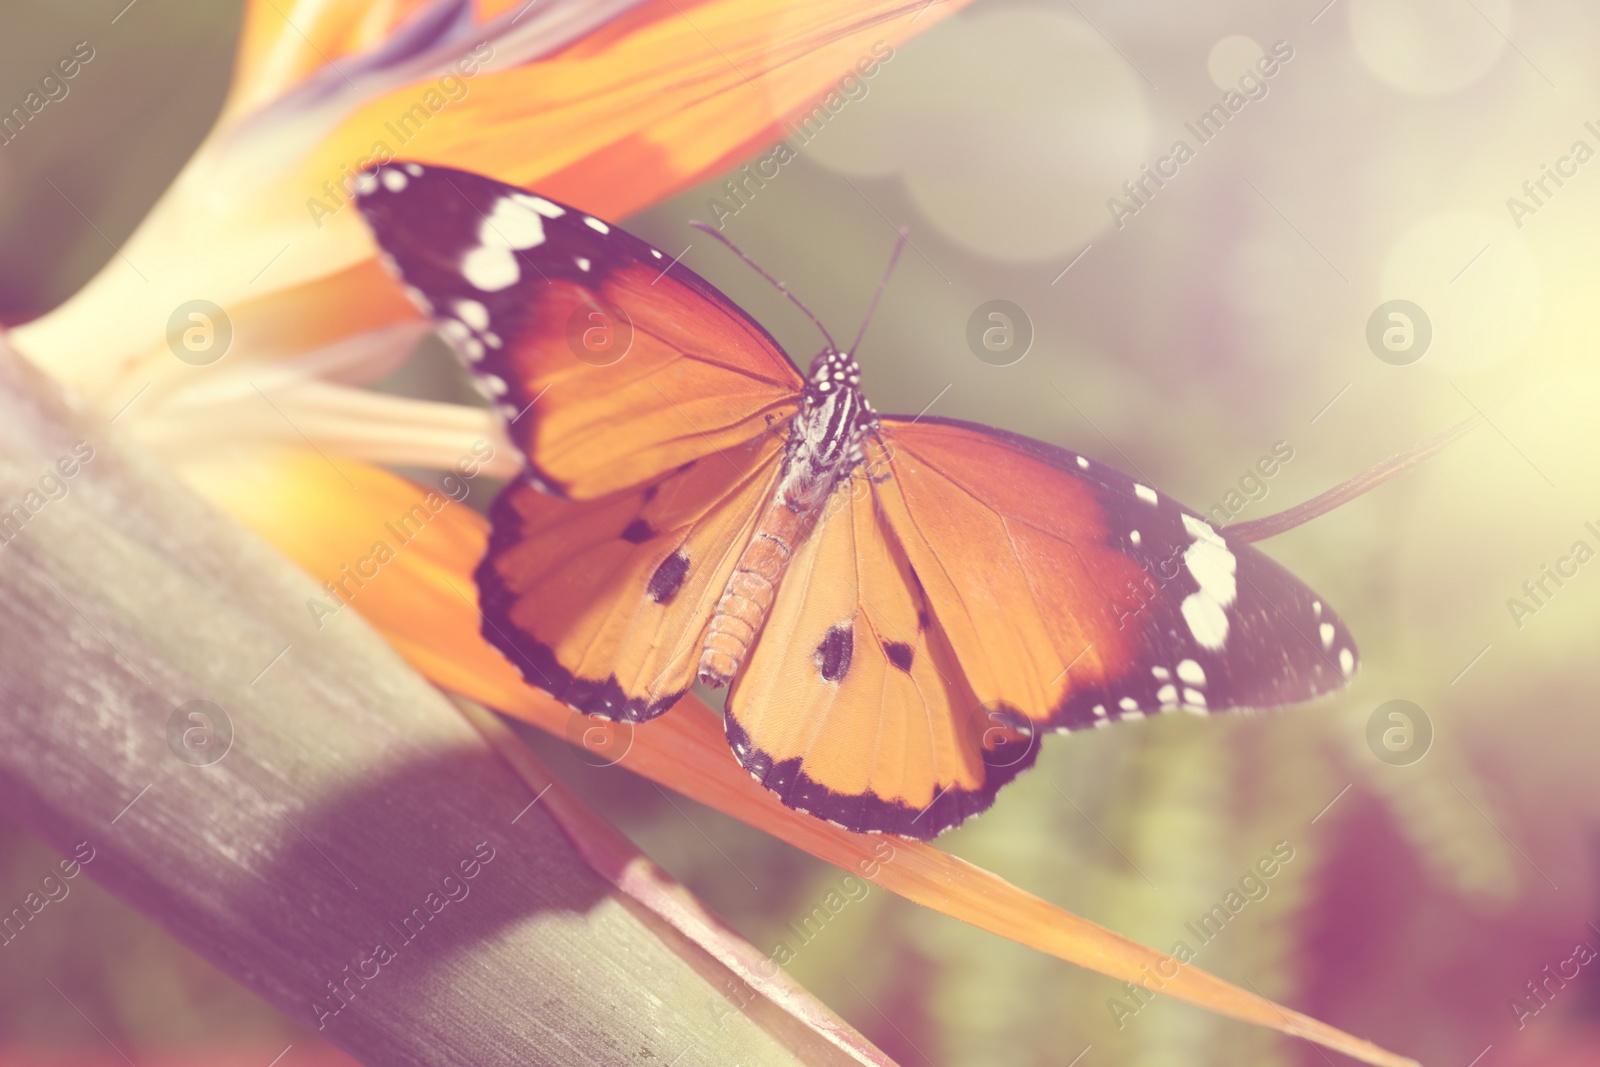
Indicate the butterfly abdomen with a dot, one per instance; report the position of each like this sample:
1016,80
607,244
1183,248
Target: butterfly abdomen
749,593
824,446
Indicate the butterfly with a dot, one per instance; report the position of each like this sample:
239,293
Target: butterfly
899,606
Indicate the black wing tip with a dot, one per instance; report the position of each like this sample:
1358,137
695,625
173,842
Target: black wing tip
374,194
1329,661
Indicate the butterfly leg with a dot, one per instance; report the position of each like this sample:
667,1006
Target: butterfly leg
781,427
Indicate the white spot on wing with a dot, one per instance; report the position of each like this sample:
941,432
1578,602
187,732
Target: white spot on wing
1167,694
1128,704
1191,672
1083,464
366,184
1194,698
1207,621
1347,660
539,204
490,269
1213,568
1145,493
1326,630
392,179
511,224
595,224
583,264
1161,673
413,170
1135,538
472,313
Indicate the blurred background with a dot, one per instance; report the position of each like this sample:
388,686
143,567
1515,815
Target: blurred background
1434,152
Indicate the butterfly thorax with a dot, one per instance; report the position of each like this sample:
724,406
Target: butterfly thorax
824,448
825,435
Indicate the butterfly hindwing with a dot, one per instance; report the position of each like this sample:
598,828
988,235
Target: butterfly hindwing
604,604
852,706
611,362
1079,596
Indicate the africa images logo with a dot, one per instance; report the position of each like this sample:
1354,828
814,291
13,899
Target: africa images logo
53,89
1140,189
805,128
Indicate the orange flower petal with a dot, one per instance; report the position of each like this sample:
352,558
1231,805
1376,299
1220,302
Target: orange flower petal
303,317
635,109
650,103
659,98
425,601
282,42
338,522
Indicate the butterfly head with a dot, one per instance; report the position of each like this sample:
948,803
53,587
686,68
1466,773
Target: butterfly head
832,372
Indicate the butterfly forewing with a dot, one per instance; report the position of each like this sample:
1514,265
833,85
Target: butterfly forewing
611,362
1078,595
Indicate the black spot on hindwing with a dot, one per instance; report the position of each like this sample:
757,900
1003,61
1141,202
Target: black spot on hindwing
899,654
637,532
668,578
833,654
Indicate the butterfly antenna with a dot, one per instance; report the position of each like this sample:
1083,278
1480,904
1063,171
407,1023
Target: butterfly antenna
883,283
708,228
1369,479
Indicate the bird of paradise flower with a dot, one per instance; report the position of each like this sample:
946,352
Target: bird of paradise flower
610,105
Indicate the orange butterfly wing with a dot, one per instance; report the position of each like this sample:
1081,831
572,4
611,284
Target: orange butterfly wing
642,399
852,705
969,589
605,604
611,363
1076,596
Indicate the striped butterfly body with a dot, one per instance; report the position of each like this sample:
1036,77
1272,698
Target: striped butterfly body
824,448
898,606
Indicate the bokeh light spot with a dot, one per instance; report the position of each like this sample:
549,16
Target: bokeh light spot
1429,47
1478,281
1050,120
1231,57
